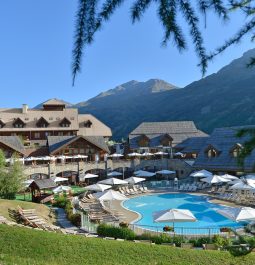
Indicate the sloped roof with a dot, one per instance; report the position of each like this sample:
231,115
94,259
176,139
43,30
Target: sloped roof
44,183
165,127
56,142
32,116
223,139
97,127
54,102
13,142
178,130
192,144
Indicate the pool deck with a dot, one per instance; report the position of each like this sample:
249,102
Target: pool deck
131,216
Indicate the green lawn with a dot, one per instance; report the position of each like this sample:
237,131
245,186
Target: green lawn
41,210
25,246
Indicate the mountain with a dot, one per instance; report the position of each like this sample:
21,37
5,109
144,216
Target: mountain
225,98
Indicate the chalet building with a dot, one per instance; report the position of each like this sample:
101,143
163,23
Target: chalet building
220,152
191,146
92,146
10,145
47,131
158,136
53,119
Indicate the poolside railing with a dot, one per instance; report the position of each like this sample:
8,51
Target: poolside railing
187,232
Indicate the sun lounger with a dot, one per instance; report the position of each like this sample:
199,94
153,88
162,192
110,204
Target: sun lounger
210,247
187,245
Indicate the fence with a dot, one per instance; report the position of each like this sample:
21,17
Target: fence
188,232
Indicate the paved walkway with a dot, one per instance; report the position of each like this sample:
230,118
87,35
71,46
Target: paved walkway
63,221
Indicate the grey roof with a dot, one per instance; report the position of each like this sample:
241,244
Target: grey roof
13,142
192,145
223,140
178,130
55,102
44,183
56,142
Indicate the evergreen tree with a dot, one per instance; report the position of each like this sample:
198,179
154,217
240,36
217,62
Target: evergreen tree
11,179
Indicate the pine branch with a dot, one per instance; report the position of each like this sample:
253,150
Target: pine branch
139,8
79,38
193,21
108,8
219,8
167,14
241,33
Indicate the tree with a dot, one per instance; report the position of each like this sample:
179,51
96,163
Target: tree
89,20
11,179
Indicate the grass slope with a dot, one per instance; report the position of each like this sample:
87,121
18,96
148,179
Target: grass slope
41,210
24,246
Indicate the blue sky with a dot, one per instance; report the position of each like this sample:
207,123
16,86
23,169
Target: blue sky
36,44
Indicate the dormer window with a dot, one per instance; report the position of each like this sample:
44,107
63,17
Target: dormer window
65,123
143,141
236,150
212,152
2,124
87,124
42,123
166,140
18,123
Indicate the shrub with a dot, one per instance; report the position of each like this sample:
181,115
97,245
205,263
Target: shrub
200,241
75,219
221,242
116,232
177,240
61,202
123,224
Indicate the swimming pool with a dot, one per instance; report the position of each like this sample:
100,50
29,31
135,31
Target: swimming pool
208,220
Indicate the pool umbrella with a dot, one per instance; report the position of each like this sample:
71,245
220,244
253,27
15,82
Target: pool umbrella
147,154
174,216
113,181
114,174
243,185
87,176
110,195
61,189
179,154
201,174
98,187
80,156
215,179
145,174
115,155
227,176
134,154
160,153
59,179
134,180
165,172
138,172
238,214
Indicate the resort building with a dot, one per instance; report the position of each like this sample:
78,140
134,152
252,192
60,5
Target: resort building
162,136
33,126
54,129
220,151
191,146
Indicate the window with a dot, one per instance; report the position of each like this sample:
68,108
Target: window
88,124
212,153
65,123
37,135
60,133
236,150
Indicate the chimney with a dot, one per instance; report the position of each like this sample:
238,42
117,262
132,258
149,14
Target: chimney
24,108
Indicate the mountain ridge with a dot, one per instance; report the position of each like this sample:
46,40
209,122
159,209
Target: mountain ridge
224,98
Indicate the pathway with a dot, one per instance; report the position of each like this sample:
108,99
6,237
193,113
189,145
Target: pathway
63,221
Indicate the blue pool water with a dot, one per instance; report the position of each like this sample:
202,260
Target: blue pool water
204,211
